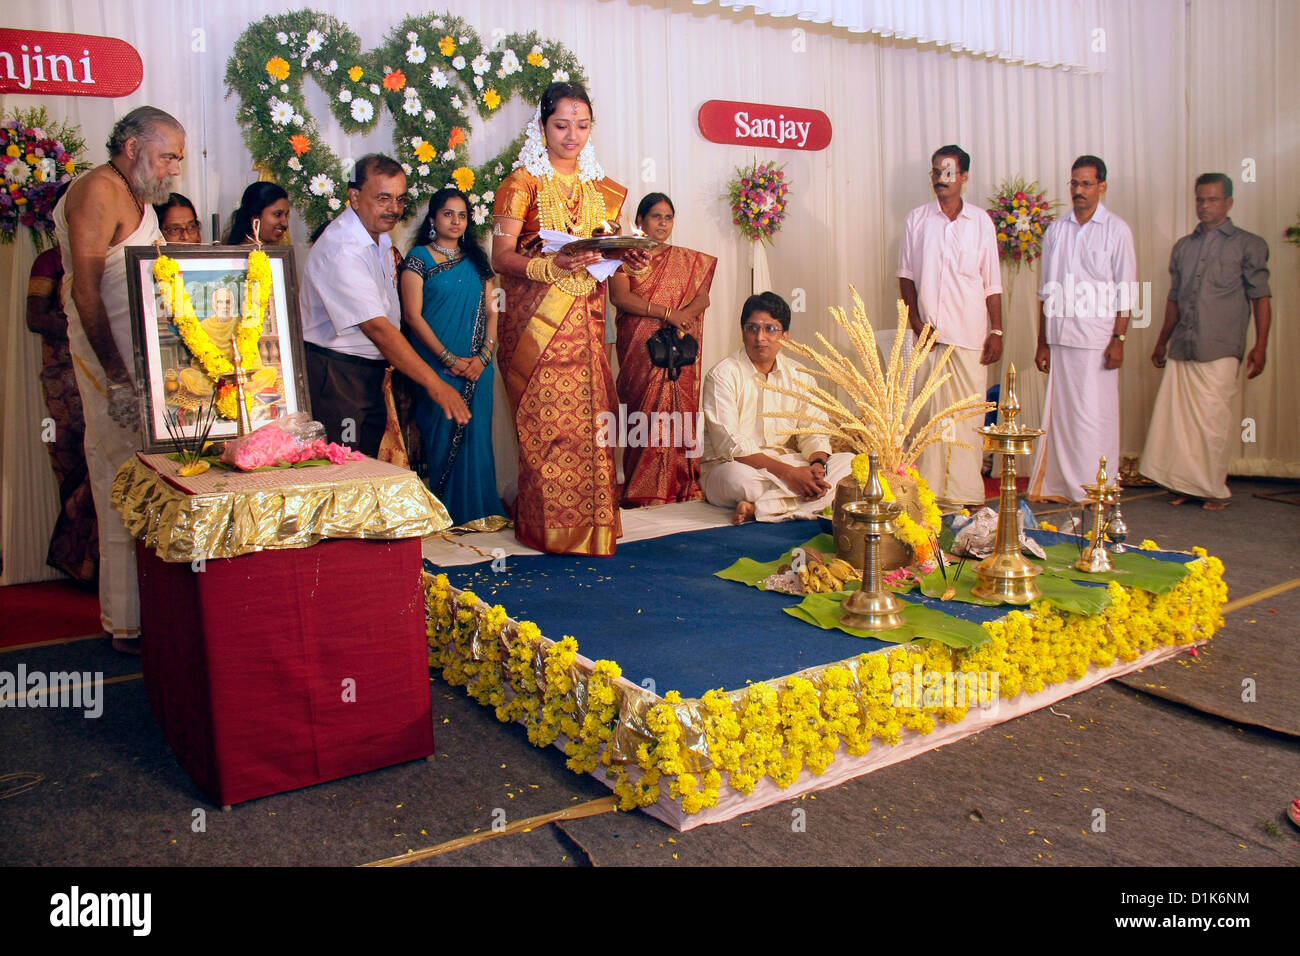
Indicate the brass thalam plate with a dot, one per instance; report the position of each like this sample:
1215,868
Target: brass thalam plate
606,244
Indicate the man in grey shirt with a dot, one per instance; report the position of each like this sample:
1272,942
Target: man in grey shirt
1219,278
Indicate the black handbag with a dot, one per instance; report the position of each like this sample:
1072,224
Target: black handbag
672,349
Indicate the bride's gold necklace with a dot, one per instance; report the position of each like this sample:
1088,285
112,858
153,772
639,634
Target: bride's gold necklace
577,209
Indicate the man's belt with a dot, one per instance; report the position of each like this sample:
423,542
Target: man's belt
344,357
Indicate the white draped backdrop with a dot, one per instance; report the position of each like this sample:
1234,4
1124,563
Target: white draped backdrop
1161,89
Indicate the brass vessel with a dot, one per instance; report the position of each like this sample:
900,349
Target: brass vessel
850,536
872,608
1005,575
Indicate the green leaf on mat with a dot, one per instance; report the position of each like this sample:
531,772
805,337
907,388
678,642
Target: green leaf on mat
751,572
1132,569
1057,589
824,611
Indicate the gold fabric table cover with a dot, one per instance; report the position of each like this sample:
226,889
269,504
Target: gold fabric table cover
223,514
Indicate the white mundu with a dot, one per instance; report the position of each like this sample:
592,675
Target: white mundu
733,402
1088,276
1181,452
108,445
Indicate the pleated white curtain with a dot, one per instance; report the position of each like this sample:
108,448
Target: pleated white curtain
1176,90
1059,34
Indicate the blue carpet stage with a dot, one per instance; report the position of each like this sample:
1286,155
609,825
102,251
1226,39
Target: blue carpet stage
657,609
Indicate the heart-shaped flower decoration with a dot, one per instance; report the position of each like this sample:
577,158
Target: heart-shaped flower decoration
429,72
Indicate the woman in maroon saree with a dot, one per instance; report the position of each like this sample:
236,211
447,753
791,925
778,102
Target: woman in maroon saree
672,291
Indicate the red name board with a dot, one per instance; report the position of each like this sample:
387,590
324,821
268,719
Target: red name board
757,124
67,64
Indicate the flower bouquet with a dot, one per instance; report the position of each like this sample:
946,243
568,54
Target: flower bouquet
1020,215
38,156
758,197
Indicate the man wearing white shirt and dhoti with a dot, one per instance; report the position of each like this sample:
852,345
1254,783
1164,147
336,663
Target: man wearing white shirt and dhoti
1089,280
102,213
949,277
1219,277
748,463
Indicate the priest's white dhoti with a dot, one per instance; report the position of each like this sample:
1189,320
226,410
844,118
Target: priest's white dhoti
953,472
730,482
1081,424
1187,447
108,445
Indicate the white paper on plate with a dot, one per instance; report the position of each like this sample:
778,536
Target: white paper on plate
553,241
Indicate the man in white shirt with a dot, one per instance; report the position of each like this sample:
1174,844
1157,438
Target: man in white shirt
351,315
949,277
747,463
1089,281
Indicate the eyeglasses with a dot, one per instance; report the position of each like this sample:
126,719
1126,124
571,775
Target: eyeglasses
385,200
753,328
191,228
1083,184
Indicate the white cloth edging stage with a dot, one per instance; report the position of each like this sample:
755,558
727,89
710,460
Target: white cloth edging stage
639,524
732,803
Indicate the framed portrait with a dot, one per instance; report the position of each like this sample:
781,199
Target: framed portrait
186,330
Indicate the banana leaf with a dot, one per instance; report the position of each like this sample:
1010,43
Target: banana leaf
824,611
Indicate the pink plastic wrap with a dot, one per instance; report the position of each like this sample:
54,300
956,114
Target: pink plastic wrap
285,441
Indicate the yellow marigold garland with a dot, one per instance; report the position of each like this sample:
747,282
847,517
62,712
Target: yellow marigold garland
778,731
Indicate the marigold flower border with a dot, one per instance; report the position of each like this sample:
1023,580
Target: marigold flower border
655,748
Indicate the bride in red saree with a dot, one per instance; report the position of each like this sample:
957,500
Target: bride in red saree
674,291
552,331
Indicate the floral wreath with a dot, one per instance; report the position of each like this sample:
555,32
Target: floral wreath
759,196
431,71
167,272
1020,217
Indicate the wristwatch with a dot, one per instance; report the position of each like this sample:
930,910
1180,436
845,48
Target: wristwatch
1119,335
818,461
997,332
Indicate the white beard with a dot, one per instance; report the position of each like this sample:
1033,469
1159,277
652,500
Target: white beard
148,189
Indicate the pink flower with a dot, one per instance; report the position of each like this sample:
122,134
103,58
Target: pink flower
341,454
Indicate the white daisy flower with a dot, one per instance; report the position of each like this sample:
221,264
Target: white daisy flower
429,116
438,24
412,36
438,78
47,169
501,74
315,40
413,191
18,172
473,198
345,96
560,76
478,82
537,48
480,215
416,54
281,112
411,107
334,65
282,38
510,62
406,168
449,155
362,110
481,64
374,88
334,202
415,141
422,169
457,102
458,63
284,87
320,185
546,63
295,163
487,196
263,87
297,119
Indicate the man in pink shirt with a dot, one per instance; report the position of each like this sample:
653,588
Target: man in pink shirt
949,277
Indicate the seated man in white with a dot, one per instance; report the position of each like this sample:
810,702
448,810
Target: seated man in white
747,462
